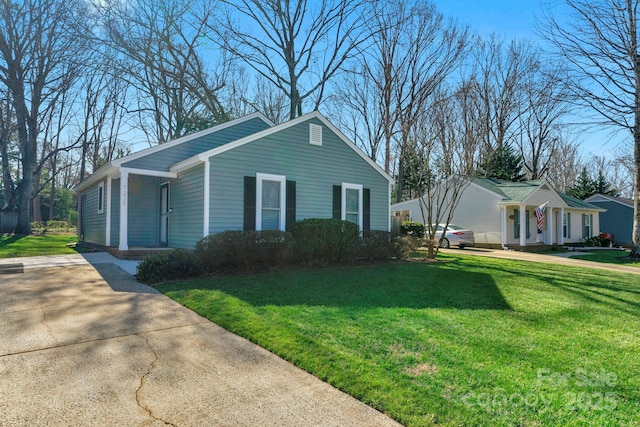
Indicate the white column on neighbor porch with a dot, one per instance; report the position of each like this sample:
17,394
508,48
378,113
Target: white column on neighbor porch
503,225
107,240
124,202
561,228
549,218
523,225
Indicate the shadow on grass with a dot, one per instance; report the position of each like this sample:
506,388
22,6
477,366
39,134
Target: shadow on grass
407,285
8,240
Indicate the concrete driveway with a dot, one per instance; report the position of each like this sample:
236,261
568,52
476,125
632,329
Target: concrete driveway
563,258
84,344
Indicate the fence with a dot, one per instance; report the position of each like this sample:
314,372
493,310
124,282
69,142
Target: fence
8,221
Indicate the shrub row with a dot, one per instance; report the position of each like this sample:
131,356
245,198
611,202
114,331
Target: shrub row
310,242
412,228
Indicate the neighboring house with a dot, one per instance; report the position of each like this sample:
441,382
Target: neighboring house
501,214
618,219
246,174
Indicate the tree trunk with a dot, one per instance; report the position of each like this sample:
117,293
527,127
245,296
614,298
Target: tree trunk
635,250
36,200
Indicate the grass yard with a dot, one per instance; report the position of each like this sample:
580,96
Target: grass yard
609,257
32,245
470,341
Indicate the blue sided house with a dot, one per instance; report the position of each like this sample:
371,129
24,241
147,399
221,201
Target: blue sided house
246,174
617,219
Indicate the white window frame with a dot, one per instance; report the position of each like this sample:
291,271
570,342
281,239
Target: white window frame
343,214
260,177
101,192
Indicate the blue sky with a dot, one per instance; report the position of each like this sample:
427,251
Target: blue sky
511,18
516,19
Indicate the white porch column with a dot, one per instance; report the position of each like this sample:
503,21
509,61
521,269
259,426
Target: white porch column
207,184
561,228
550,232
107,239
523,225
124,204
503,225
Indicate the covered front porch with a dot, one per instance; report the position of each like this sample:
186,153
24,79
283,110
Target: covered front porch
521,228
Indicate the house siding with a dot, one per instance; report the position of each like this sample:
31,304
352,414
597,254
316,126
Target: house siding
94,223
314,168
617,220
162,160
144,210
479,210
187,201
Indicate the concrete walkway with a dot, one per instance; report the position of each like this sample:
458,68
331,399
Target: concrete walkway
560,258
84,344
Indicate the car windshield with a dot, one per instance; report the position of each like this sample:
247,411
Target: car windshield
451,227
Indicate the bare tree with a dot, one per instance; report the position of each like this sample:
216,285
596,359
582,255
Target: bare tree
600,42
439,146
358,108
297,46
565,162
546,95
41,41
500,75
162,47
8,155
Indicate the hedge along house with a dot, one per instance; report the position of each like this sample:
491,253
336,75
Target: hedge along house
246,174
502,214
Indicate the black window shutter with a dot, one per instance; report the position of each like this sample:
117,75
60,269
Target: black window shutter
291,204
366,209
337,201
249,203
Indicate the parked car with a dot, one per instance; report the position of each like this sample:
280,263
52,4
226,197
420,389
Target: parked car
454,236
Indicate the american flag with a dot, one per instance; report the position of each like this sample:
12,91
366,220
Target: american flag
540,214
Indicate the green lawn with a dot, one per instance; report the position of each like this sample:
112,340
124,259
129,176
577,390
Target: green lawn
48,244
609,257
471,341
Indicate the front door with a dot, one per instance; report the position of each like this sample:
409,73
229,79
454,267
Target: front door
164,214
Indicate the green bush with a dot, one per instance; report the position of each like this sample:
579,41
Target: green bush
59,226
404,246
325,241
240,250
169,265
596,241
412,228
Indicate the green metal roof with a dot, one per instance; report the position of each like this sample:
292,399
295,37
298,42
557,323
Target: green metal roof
577,203
518,191
513,191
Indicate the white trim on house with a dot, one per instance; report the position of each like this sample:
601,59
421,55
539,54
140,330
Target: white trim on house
260,177
101,197
207,196
315,134
343,214
112,168
190,137
188,163
107,239
124,220
149,172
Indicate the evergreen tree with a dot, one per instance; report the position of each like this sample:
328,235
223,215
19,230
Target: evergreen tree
602,186
583,187
504,164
